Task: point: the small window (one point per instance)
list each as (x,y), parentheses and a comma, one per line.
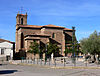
(53,35)
(2,51)
(11,48)
(22,21)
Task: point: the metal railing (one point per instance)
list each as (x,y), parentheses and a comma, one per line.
(60,62)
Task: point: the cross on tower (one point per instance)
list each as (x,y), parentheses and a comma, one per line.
(21,10)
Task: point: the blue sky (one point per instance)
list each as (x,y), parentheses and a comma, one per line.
(83,14)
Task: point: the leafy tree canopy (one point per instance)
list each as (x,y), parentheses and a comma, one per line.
(34,48)
(52,48)
(91,44)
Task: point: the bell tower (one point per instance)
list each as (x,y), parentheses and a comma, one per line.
(21,19)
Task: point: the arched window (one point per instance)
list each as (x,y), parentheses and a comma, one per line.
(22,40)
(22,21)
(53,35)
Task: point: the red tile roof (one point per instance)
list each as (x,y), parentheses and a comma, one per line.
(67,29)
(31,26)
(49,25)
(2,40)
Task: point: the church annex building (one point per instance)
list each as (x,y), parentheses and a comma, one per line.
(25,34)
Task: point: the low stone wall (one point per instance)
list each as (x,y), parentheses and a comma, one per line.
(3,59)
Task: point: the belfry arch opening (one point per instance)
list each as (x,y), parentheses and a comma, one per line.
(21,21)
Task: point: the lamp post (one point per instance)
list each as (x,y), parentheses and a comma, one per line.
(73,45)
(77,49)
(39,51)
(45,53)
(61,49)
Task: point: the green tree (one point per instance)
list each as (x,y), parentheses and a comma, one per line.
(52,48)
(69,47)
(68,50)
(34,48)
(91,44)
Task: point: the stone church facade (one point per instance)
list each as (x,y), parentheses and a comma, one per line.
(25,34)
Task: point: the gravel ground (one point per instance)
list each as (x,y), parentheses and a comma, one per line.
(7,69)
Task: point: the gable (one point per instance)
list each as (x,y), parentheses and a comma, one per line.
(6,44)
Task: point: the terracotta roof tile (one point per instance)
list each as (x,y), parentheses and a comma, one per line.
(50,25)
(2,40)
(67,29)
(32,26)
(36,26)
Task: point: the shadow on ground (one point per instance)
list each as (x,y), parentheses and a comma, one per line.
(2,64)
(7,71)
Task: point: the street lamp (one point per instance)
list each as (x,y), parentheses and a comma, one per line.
(39,51)
(73,34)
(45,53)
(73,45)
(77,48)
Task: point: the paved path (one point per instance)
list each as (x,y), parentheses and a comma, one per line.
(7,69)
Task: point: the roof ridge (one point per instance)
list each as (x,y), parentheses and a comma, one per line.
(3,40)
(49,25)
(67,29)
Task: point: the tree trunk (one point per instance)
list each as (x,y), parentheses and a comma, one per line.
(34,57)
(93,58)
(98,58)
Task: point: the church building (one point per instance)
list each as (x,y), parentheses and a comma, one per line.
(25,34)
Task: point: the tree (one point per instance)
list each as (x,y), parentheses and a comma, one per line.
(91,44)
(71,46)
(34,48)
(84,45)
(52,48)
(69,49)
